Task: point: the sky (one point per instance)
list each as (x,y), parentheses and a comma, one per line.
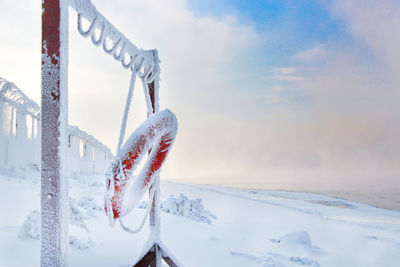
(272,94)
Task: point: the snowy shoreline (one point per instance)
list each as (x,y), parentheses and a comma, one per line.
(379,198)
(247,227)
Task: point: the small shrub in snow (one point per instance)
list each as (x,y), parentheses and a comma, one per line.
(77,215)
(191,209)
(183,206)
(79,211)
(31,227)
(299,237)
(79,238)
(80,242)
(89,205)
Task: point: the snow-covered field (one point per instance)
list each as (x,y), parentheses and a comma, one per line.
(228,227)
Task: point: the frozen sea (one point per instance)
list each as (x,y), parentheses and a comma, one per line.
(380,195)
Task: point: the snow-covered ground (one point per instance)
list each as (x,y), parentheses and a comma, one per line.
(227,227)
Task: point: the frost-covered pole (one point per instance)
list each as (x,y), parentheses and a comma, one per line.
(155,209)
(1,122)
(54,185)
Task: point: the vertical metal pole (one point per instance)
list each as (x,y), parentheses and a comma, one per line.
(54,183)
(154,212)
(2,135)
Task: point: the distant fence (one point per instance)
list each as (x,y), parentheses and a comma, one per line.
(20,137)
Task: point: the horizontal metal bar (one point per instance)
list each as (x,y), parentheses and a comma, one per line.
(144,62)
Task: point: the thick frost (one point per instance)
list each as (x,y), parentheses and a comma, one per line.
(54,161)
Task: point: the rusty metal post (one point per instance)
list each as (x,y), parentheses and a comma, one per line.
(54,128)
(156,254)
(154,211)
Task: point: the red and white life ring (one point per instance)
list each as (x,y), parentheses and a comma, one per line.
(157,134)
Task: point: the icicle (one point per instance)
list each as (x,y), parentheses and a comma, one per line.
(121,52)
(131,62)
(115,45)
(91,27)
(102,36)
(138,66)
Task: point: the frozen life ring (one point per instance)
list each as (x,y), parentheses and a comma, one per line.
(124,191)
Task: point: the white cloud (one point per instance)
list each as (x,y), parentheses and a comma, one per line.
(226,129)
(197,54)
(285,78)
(285,71)
(312,55)
(377,23)
(285,74)
(275,99)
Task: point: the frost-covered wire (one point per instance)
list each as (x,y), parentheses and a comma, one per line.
(126,111)
(108,195)
(140,227)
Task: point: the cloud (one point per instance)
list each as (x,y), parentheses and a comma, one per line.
(377,24)
(275,99)
(228,127)
(20,45)
(282,76)
(198,55)
(347,133)
(285,71)
(285,78)
(312,55)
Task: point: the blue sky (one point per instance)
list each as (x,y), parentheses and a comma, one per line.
(277,93)
(285,28)
(296,24)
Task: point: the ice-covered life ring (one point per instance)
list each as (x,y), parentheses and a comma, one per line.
(156,133)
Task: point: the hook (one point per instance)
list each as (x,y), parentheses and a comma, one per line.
(91,27)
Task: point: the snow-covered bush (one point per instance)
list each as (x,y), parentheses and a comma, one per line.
(79,211)
(89,205)
(79,237)
(31,227)
(183,206)
(77,215)
(298,237)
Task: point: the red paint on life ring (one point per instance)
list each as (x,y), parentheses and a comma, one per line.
(156,133)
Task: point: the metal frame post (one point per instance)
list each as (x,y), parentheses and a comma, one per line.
(154,219)
(156,253)
(54,132)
